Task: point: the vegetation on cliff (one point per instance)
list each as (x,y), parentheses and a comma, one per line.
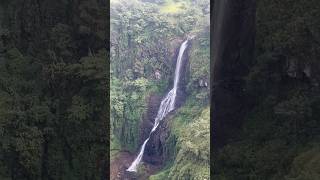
(53,86)
(145,36)
(192,150)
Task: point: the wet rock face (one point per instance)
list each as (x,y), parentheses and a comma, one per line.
(155,151)
(155,147)
(146,126)
(149,116)
(233,47)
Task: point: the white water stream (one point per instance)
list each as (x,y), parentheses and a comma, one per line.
(167,105)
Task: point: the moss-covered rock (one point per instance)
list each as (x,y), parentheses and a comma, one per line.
(193,149)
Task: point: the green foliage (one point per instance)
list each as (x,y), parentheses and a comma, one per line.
(279,136)
(161,175)
(21,139)
(193,158)
(142,35)
(127,106)
(290,26)
(200,67)
(52,92)
(139,39)
(273,134)
(114,146)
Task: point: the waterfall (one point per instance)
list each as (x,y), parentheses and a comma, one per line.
(167,105)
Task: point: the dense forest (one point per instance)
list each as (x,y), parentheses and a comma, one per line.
(274,129)
(145,38)
(53,90)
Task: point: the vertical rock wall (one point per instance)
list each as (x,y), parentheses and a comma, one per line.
(155,152)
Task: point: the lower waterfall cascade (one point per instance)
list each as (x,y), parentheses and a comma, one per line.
(166,106)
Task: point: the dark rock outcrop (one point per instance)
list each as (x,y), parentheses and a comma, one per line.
(155,149)
(149,116)
(145,128)
(233,50)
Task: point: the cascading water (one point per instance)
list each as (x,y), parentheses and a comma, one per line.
(167,105)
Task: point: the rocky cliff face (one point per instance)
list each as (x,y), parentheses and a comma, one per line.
(146,126)
(156,149)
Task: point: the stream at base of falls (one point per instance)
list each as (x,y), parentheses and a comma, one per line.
(122,161)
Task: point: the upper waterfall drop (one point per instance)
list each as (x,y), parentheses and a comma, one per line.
(166,106)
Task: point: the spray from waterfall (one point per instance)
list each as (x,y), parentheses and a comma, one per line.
(166,106)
